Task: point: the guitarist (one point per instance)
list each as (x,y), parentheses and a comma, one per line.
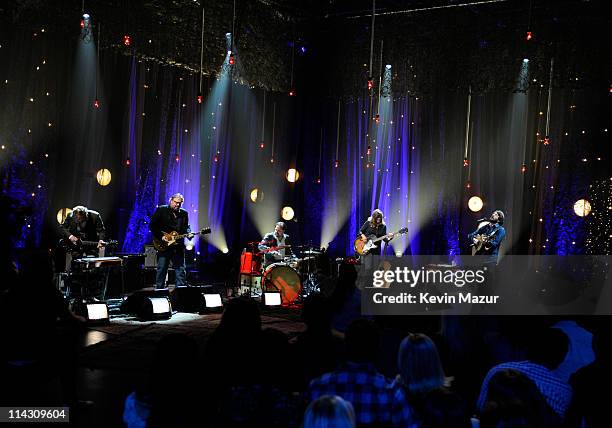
(375,227)
(494,234)
(169,218)
(83,224)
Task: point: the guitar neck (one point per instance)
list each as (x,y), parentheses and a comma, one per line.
(383,237)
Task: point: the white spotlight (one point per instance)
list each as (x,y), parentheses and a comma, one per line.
(525,60)
(213,300)
(156,308)
(96,312)
(225,250)
(388,66)
(271,298)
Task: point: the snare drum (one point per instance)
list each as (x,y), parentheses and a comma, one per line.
(283,278)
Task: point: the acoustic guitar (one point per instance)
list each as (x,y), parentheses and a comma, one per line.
(483,241)
(363,248)
(172,238)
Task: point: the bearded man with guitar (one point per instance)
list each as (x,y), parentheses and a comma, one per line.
(488,236)
(165,220)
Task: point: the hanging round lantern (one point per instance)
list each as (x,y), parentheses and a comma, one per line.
(287,213)
(582,208)
(104,177)
(62,214)
(292,175)
(256,195)
(475,204)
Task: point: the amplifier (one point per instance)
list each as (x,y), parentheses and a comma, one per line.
(150,256)
(249,284)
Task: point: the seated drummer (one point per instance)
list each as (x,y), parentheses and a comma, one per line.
(278,238)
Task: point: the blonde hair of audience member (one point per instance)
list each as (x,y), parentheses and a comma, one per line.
(420,369)
(329,411)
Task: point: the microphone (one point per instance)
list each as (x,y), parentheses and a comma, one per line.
(483,219)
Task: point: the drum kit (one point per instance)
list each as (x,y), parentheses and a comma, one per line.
(294,277)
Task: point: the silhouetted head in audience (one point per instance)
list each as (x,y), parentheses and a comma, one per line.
(180,352)
(275,355)
(602,345)
(362,339)
(444,409)
(329,411)
(316,313)
(174,371)
(241,316)
(548,347)
(419,365)
(513,400)
(345,286)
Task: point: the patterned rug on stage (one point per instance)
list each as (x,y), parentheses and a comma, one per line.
(131,343)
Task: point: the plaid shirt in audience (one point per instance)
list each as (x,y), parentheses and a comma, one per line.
(556,392)
(373,397)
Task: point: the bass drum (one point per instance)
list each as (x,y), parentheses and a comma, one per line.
(282,278)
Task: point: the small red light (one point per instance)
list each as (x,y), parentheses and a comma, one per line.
(377,119)
(127,40)
(369,151)
(523,168)
(128,162)
(96,103)
(546,141)
(468,185)
(82,23)
(200,99)
(318,180)
(271,160)
(261,145)
(232,59)
(529,35)
(370,84)
(336,163)
(466,162)
(292,92)
(177,158)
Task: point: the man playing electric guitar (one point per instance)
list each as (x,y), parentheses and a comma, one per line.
(166,219)
(83,224)
(487,238)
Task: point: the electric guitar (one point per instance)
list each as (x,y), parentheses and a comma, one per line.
(68,245)
(363,248)
(171,238)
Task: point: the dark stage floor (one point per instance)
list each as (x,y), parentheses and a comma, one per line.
(114,359)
